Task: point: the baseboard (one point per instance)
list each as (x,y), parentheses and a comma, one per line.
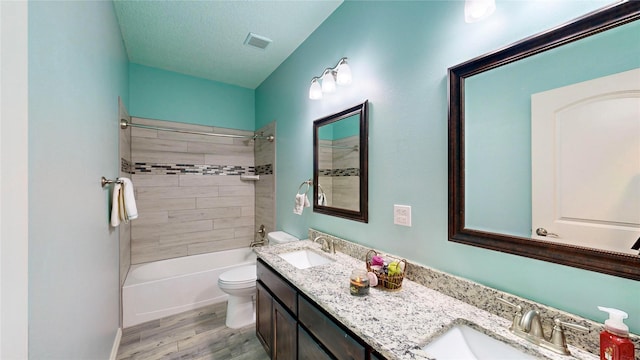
(116,345)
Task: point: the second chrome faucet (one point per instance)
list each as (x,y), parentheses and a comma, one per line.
(529,327)
(327,244)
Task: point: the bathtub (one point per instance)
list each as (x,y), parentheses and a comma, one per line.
(166,287)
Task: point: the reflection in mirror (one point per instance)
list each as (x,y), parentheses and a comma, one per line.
(490,142)
(340,164)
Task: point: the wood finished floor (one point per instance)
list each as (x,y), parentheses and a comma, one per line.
(196,334)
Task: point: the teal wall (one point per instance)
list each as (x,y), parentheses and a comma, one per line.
(340,129)
(399,53)
(77,70)
(165,95)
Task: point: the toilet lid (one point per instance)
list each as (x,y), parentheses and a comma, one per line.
(245,273)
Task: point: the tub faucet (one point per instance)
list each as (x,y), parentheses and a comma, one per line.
(262,232)
(327,244)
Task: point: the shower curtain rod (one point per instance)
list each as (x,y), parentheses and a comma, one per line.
(124,124)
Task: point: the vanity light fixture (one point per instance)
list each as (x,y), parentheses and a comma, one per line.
(340,74)
(476,10)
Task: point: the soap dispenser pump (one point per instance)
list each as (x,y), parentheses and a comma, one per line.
(614,339)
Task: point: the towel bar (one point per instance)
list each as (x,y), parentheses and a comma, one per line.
(104,181)
(308,183)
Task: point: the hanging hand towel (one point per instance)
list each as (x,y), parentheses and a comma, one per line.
(298,206)
(130,208)
(115,205)
(322,199)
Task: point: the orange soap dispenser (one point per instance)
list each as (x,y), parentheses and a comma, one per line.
(614,339)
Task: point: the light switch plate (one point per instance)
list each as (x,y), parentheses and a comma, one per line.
(402,215)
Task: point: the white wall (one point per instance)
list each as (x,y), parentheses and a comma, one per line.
(77,70)
(13,181)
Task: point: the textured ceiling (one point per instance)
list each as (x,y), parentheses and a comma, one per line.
(206,38)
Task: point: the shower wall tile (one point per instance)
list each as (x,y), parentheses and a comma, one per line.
(148,217)
(242,160)
(155,180)
(164,204)
(164,157)
(167,192)
(185,214)
(265,188)
(152,231)
(213,202)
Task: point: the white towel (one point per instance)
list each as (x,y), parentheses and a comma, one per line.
(298,205)
(131,211)
(115,205)
(322,199)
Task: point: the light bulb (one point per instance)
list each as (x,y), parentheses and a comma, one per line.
(476,10)
(328,82)
(344,73)
(315,91)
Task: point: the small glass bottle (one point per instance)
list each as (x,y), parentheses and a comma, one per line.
(359,282)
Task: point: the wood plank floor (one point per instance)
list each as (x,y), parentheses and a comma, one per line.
(196,334)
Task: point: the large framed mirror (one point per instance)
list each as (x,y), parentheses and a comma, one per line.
(493,115)
(340,164)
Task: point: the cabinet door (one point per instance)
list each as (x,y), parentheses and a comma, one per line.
(264,313)
(308,348)
(285,334)
(341,345)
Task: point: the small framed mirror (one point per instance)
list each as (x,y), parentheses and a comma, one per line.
(340,171)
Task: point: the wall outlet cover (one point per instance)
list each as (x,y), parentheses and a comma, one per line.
(402,215)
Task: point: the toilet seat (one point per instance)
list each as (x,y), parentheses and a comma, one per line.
(241,277)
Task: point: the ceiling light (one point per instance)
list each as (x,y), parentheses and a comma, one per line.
(339,74)
(476,10)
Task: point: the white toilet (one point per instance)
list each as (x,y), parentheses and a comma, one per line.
(240,284)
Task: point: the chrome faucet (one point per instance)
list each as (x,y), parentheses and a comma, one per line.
(529,327)
(327,244)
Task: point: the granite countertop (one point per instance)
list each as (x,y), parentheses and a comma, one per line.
(399,323)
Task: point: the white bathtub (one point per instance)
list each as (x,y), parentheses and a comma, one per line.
(158,289)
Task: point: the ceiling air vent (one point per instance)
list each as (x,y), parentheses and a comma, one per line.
(257,41)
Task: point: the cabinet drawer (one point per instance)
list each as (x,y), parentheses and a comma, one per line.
(338,341)
(282,291)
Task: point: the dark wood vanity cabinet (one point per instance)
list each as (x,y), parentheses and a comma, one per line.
(276,325)
(264,317)
(285,334)
(290,326)
(342,345)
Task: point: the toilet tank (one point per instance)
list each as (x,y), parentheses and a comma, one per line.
(280,237)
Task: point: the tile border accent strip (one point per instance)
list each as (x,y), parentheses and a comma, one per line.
(194,169)
(177,169)
(264,169)
(483,297)
(340,172)
(125,166)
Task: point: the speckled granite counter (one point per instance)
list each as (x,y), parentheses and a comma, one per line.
(395,323)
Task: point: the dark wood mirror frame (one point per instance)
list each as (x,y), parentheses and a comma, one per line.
(362,214)
(617,264)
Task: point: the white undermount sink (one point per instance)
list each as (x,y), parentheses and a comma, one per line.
(303,259)
(462,342)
